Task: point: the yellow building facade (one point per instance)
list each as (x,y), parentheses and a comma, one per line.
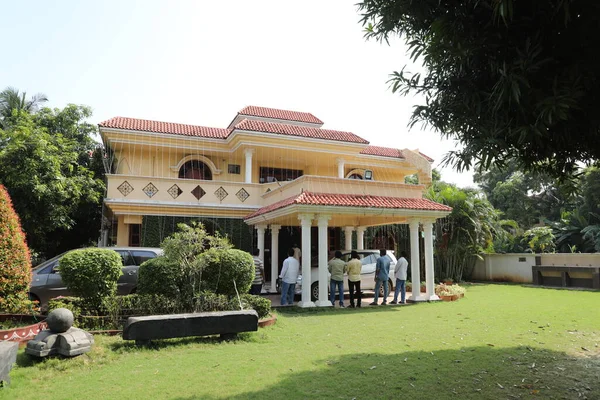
(270,171)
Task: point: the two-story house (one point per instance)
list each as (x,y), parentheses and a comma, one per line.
(276,172)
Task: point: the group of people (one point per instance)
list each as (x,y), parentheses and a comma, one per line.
(338,268)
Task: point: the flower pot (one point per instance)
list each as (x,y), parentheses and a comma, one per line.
(452,297)
(22,333)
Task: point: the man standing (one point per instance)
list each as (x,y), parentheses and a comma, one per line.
(289,276)
(337,269)
(382,273)
(401,269)
(259,273)
(354,270)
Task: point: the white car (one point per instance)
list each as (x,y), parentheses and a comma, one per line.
(368,259)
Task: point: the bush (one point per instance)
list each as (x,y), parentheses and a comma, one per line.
(91,274)
(15,264)
(259,304)
(222,267)
(158,276)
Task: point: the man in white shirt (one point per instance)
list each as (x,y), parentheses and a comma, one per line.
(401,270)
(289,276)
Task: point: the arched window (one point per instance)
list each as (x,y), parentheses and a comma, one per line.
(195,169)
(355,176)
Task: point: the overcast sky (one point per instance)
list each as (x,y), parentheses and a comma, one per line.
(199,62)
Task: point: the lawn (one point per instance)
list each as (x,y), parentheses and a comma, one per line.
(499,342)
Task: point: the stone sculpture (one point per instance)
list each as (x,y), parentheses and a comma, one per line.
(60,337)
(8,356)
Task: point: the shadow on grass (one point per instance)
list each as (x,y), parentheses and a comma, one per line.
(475,372)
(129,345)
(309,312)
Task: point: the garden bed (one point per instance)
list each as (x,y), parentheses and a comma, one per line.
(20,327)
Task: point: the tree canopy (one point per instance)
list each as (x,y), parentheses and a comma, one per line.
(47,166)
(509,80)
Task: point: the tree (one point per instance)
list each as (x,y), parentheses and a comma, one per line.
(15,265)
(41,170)
(11,99)
(507,79)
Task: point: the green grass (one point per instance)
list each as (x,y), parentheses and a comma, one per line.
(499,342)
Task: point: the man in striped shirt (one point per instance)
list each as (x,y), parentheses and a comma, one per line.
(259,273)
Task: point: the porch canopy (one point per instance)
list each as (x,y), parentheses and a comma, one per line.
(353,205)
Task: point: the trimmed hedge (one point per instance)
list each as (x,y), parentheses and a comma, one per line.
(15,262)
(158,276)
(261,305)
(221,268)
(91,274)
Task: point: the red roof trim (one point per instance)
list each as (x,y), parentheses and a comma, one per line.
(353,200)
(382,152)
(302,131)
(276,113)
(145,125)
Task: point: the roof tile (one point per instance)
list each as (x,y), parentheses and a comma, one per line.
(303,131)
(353,200)
(266,112)
(145,125)
(382,151)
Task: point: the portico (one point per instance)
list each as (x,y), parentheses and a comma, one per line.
(352,212)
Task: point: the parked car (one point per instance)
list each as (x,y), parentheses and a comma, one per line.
(46,282)
(368,259)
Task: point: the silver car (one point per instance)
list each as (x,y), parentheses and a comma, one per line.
(368,258)
(46,282)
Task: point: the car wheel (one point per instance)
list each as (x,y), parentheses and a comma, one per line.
(314,291)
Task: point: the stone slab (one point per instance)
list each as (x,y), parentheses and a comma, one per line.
(8,356)
(226,323)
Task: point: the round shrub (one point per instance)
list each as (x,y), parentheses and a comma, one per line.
(259,304)
(159,276)
(15,264)
(221,267)
(91,274)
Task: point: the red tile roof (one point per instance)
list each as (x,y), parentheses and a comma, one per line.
(145,125)
(295,130)
(427,157)
(353,200)
(266,112)
(382,151)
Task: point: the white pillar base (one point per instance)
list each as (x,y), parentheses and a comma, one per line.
(306,304)
(434,297)
(323,303)
(421,297)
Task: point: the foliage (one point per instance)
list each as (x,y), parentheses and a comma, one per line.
(12,102)
(259,304)
(15,264)
(539,239)
(91,274)
(227,271)
(449,290)
(507,237)
(45,167)
(526,197)
(465,233)
(158,276)
(504,78)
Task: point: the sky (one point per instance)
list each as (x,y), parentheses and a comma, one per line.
(200,62)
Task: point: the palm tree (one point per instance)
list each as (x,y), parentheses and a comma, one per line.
(11,99)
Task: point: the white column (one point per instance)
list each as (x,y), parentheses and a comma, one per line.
(248,153)
(360,238)
(429,270)
(274,256)
(340,164)
(415,269)
(306,223)
(348,233)
(260,243)
(323,221)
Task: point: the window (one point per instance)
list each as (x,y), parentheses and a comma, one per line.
(268,174)
(134,235)
(125,257)
(140,256)
(233,169)
(355,176)
(195,169)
